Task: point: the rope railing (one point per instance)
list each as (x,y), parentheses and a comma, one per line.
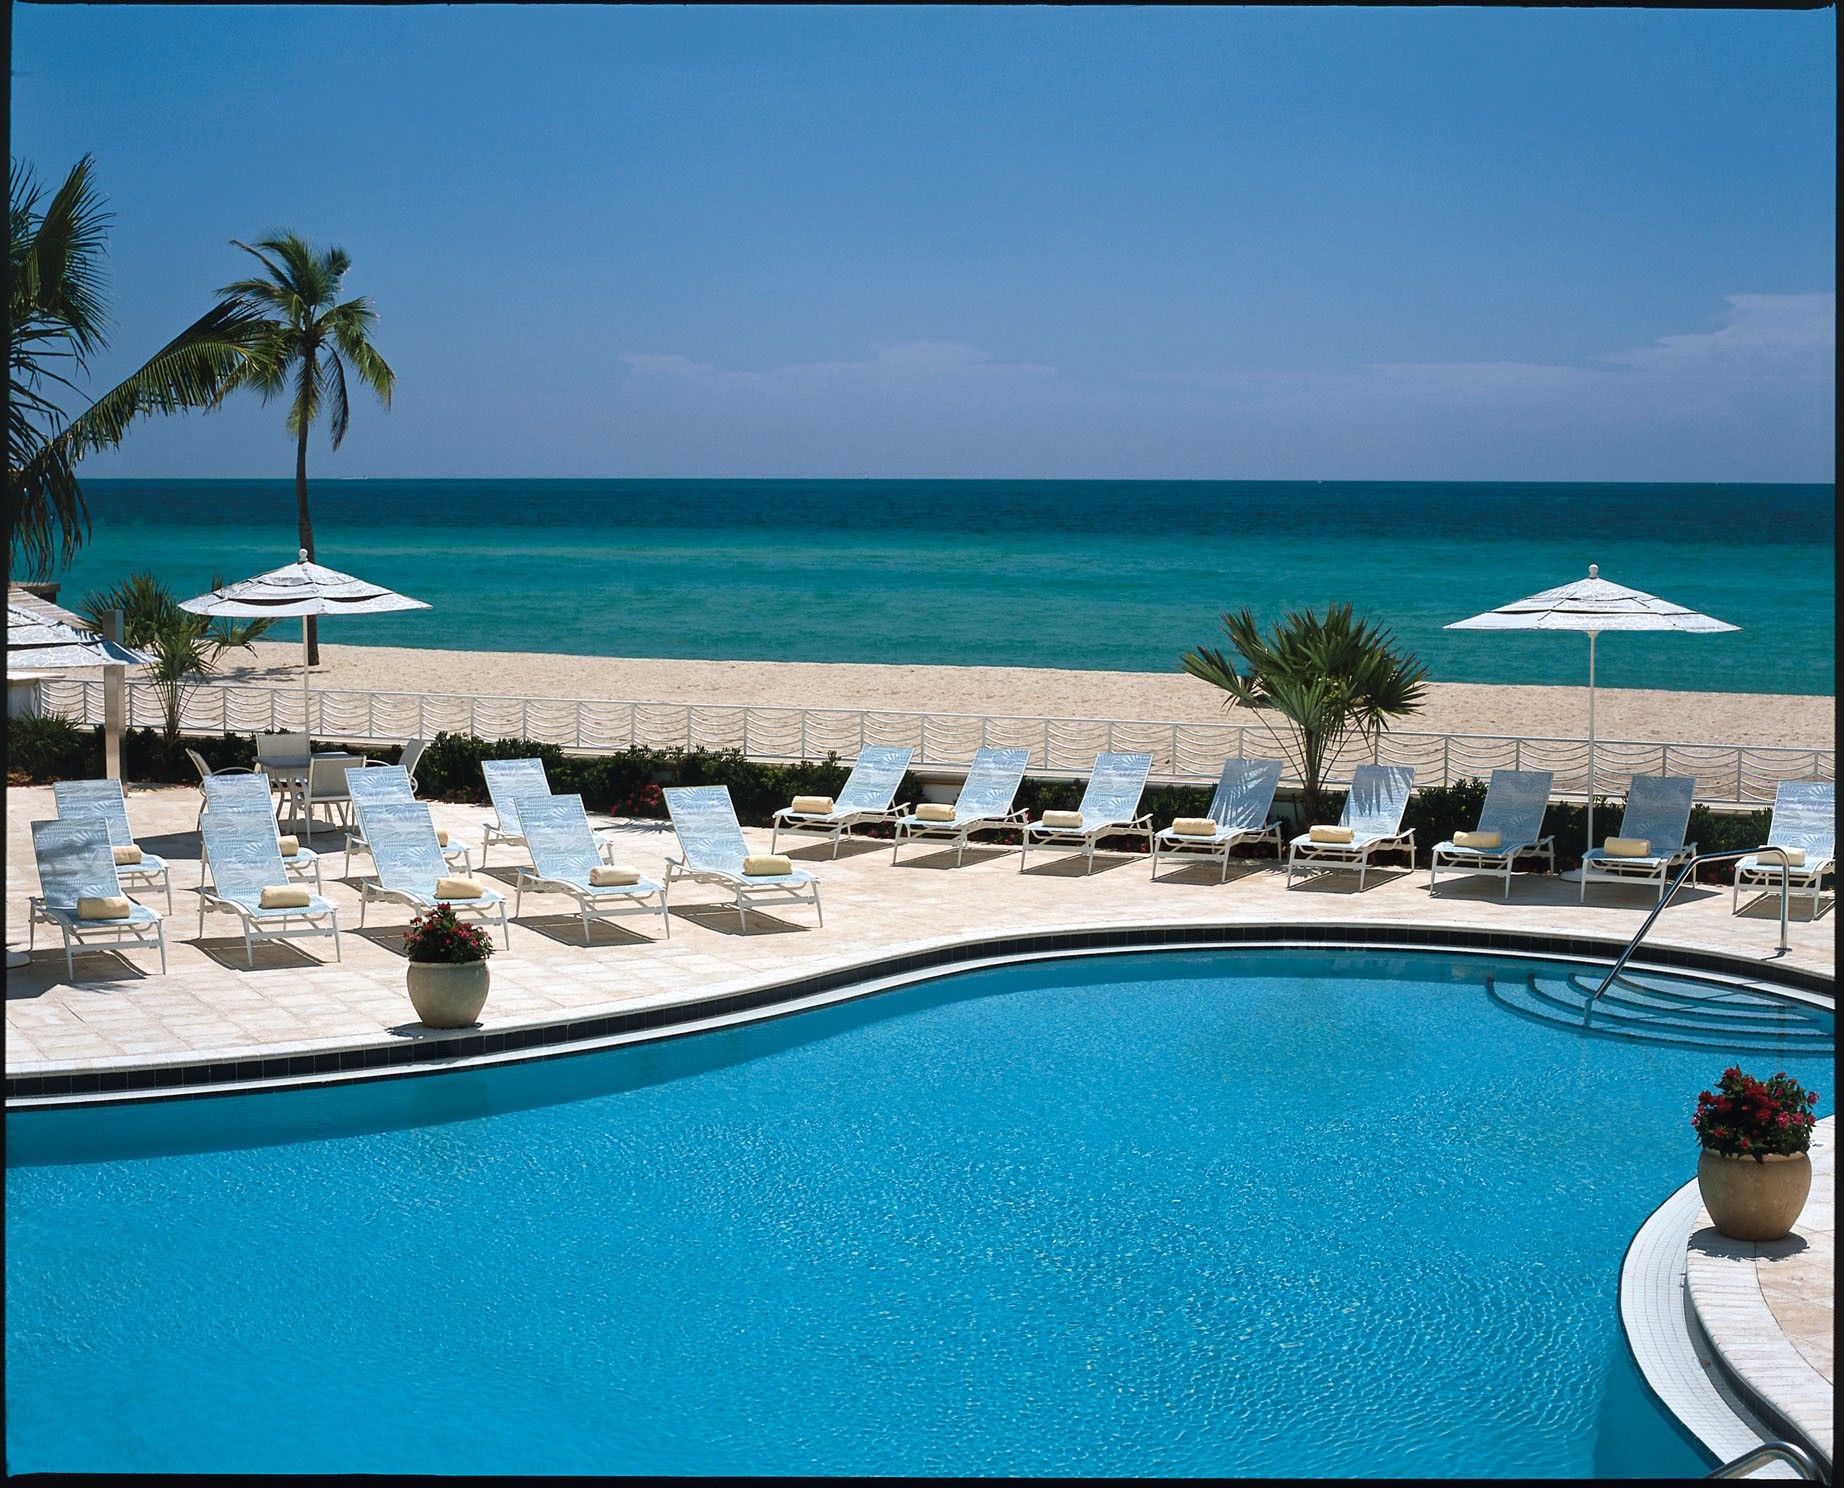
(1736,774)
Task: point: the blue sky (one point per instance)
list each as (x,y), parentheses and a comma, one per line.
(1032,242)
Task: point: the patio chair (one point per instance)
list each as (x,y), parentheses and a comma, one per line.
(566,860)
(76,869)
(713,852)
(283,759)
(412,756)
(325,784)
(205,772)
(389,783)
(985,802)
(1109,802)
(1239,812)
(102,800)
(1658,815)
(246,869)
(246,792)
(1374,805)
(1805,819)
(865,797)
(1515,801)
(409,866)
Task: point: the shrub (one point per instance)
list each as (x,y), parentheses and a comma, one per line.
(44,748)
(450,767)
(437,935)
(1746,1117)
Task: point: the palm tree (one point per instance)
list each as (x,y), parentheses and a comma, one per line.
(1327,678)
(310,336)
(56,320)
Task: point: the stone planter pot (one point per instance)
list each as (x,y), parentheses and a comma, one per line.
(448,994)
(1750,1200)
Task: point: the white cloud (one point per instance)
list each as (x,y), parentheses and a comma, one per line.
(908,367)
(1762,332)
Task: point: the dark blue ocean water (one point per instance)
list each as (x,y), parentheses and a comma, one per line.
(1077,574)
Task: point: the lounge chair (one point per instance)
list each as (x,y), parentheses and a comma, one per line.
(412,756)
(565,859)
(1109,802)
(1239,809)
(713,852)
(509,782)
(246,860)
(389,783)
(1515,801)
(1657,812)
(1374,805)
(246,792)
(865,797)
(1805,817)
(985,802)
(409,865)
(75,863)
(102,800)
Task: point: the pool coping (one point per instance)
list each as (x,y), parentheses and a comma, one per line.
(132,1080)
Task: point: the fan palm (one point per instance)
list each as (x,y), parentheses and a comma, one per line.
(56,324)
(1327,677)
(310,335)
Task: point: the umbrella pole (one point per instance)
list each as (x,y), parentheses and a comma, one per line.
(307,726)
(1591,635)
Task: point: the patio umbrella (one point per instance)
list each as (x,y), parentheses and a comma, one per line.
(301,588)
(37,643)
(1593,605)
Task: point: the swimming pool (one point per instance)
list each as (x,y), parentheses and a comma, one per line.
(1230,1212)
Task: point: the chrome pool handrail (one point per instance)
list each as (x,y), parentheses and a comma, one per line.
(1684,873)
(1791,1453)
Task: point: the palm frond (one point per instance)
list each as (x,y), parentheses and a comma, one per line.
(333,392)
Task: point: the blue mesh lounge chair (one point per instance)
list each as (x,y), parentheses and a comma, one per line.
(1239,806)
(1805,817)
(1378,796)
(865,797)
(1515,801)
(565,858)
(1657,811)
(245,791)
(102,800)
(985,802)
(508,782)
(388,783)
(1109,802)
(75,863)
(409,865)
(713,852)
(245,860)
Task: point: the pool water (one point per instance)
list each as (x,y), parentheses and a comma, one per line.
(1236,1213)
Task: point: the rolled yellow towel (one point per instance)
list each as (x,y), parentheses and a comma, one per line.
(812,805)
(1795,857)
(1062,819)
(1330,834)
(104,907)
(613,877)
(937,811)
(766,865)
(1478,839)
(276,896)
(126,857)
(441,836)
(290,845)
(1194,826)
(458,888)
(1627,847)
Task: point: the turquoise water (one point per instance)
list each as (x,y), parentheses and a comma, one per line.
(1239,1213)
(1077,574)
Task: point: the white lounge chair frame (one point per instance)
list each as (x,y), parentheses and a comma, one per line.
(408,861)
(564,852)
(865,797)
(1109,802)
(1805,816)
(712,851)
(1374,805)
(75,862)
(247,791)
(1241,807)
(984,803)
(508,781)
(1657,809)
(1515,801)
(388,783)
(102,800)
(246,858)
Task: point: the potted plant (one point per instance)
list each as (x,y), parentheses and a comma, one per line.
(1754,1174)
(448,968)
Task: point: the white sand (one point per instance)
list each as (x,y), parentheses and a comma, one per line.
(1452,707)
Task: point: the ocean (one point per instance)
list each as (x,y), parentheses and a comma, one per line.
(1072,574)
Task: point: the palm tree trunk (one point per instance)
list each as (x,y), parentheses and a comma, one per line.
(306,523)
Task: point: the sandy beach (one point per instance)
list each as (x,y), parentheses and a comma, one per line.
(1452,707)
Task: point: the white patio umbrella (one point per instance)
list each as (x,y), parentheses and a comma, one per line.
(301,588)
(1593,605)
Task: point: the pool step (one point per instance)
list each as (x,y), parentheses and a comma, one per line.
(1642,1009)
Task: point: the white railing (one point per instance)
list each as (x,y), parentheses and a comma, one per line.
(1725,773)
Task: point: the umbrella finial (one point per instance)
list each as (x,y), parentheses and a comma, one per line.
(1594,569)
(303,558)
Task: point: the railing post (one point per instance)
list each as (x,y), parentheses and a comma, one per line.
(577,712)
(1046,743)
(274,693)
(745,733)
(803,733)
(1517,753)
(1738,774)
(1446,759)
(473,731)
(1174,750)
